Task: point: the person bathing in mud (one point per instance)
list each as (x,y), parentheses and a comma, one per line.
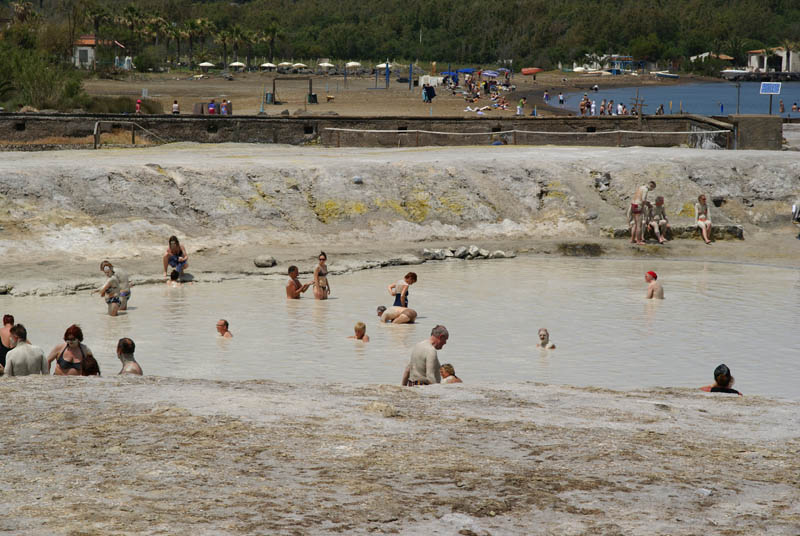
(703,218)
(175,256)
(294,288)
(322,288)
(360,332)
(397,315)
(723,382)
(544,340)
(222,329)
(71,356)
(654,288)
(174,279)
(111,289)
(448,373)
(636,210)
(399,289)
(125,349)
(423,368)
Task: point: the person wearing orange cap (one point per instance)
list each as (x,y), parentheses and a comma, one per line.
(654,288)
(138,106)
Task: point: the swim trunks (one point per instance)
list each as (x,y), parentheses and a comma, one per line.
(397,298)
(636,209)
(115,299)
(125,294)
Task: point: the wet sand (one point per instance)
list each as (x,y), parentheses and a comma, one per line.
(167,456)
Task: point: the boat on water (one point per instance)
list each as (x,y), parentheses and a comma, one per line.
(665,74)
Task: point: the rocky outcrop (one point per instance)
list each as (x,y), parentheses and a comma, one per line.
(464,252)
(718,232)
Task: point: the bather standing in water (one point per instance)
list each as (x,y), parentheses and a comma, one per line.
(125,349)
(654,288)
(397,315)
(110,290)
(294,288)
(322,288)
(399,289)
(636,210)
(544,340)
(72,355)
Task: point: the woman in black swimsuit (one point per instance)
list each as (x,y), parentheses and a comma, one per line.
(71,354)
(5,335)
(322,288)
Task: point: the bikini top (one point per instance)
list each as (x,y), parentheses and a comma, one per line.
(65,365)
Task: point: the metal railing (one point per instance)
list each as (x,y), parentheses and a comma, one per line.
(134,125)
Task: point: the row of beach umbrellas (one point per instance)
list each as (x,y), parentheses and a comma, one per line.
(324,65)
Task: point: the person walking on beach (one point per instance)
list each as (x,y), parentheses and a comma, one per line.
(294,288)
(360,332)
(176,109)
(25,358)
(5,339)
(222,329)
(397,315)
(399,289)
(423,368)
(561,99)
(521,106)
(125,349)
(723,382)
(72,355)
(703,218)
(111,289)
(175,256)
(654,288)
(322,288)
(636,210)
(546,97)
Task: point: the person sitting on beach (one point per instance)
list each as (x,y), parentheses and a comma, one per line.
(544,340)
(360,334)
(111,289)
(25,358)
(322,288)
(397,315)
(294,288)
(222,329)
(5,339)
(125,349)
(399,289)
(703,218)
(654,288)
(723,382)
(71,355)
(657,220)
(423,368)
(175,256)
(448,373)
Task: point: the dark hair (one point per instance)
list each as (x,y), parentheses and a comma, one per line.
(722,375)
(126,346)
(292,268)
(74,332)
(412,276)
(224,322)
(700,196)
(381,309)
(20,332)
(174,238)
(322,254)
(440,331)
(90,366)
(652,183)
(174,275)
(104,264)
(8,319)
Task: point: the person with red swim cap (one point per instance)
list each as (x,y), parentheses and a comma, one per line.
(654,288)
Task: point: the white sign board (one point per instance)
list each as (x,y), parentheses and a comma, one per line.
(770,88)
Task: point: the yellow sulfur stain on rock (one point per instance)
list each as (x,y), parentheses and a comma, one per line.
(452,204)
(687,210)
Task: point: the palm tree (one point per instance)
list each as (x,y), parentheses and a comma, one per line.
(789,46)
(132,19)
(177,33)
(205,29)
(224,38)
(250,38)
(237,38)
(192,30)
(272,31)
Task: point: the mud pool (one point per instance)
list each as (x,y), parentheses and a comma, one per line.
(606,333)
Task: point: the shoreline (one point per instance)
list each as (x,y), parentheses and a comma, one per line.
(327,458)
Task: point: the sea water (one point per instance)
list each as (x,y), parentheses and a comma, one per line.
(607,334)
(704,98)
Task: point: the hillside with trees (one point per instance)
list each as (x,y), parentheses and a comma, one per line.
(543,33)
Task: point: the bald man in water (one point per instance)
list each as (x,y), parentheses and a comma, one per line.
(397,315)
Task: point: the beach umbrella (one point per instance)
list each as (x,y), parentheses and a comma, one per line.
(236,64)
(299,65)
(284,64)
(467,70)
(268,65)
(326,65)
(352,64)
(206,64)
(490,74)
(503,70)
(383,66)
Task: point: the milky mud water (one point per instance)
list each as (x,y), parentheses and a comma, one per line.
(606,333)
